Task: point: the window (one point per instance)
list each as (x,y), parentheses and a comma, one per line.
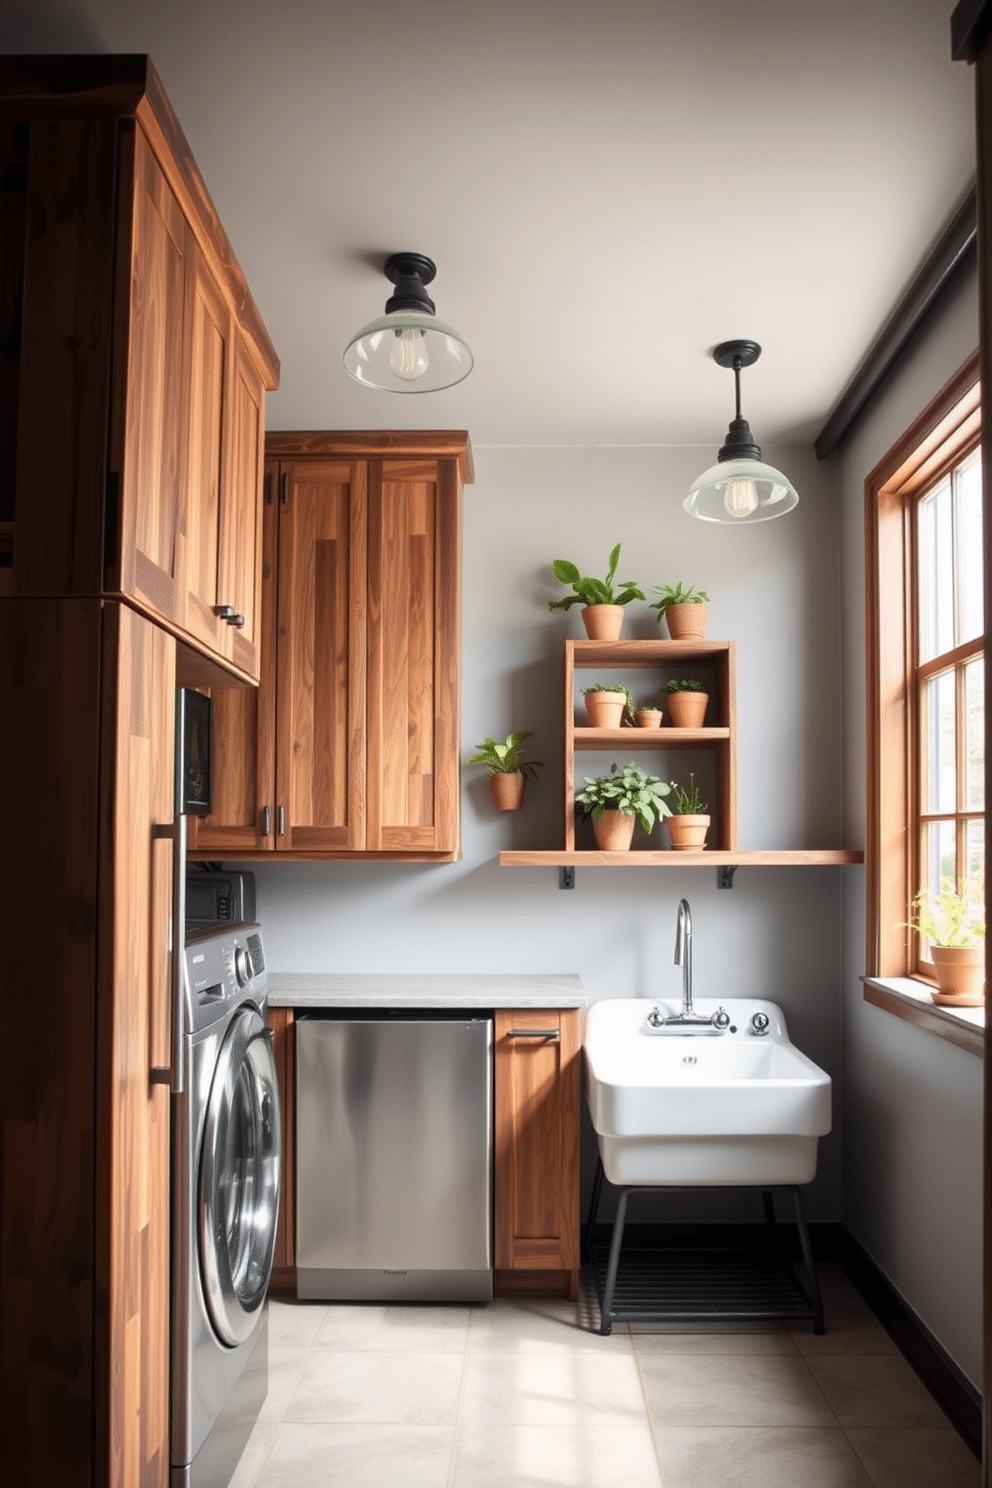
(924,531)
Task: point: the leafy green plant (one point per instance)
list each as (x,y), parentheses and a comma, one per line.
(944,918)
(505,756)
(629,789)
(589,591)
(686,799)
(614,687)
(691,684)
(676,594)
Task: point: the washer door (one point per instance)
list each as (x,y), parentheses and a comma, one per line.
(238,1200)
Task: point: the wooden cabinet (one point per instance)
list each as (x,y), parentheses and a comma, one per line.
(87,709)
(537,1149)
(138,390)
(283,1027)
(351,747)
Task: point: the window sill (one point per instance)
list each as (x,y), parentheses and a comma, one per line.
(910,1000)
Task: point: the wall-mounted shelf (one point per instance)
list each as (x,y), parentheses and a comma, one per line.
(799,857)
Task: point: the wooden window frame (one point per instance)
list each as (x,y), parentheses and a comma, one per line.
(944,434)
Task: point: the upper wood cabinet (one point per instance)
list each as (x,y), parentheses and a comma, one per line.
(139,388)
(352,745)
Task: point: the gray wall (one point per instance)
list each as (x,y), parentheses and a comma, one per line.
(775,590)
(912,1150)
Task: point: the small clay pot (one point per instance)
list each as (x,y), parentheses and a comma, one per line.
(603,622)
(507,789)
(687,622)
(960,973)
(648,717)
(687,833)
(687,709)
(613,831)
(605,709)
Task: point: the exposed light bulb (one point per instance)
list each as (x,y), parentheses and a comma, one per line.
(408,358)
(740,497)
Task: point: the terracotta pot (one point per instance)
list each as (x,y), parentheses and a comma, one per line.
(960,973)
(613,831)
(507,789)
(687,709)
(605,709)
(603,622)
(687,621)
(688,833)
(648,717)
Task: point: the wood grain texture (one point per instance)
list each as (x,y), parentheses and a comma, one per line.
(207,360)
(537,1141)
(363,444)
(134,1030)
(49,772)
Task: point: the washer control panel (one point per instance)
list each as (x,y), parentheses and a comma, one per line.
(223,965)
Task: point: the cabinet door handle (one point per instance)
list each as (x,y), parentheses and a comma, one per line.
(176,1077)
(285,488)
(541,1033)
(235,619)
(266,821)
(282,821)
(224,612)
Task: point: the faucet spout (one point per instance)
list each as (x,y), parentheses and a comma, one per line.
(683,954)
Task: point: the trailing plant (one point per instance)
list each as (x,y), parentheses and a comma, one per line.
(589,591)
(944,918)
(614,687)
(629,789)
(676,594)
(505,756)
(687,800)
(691,684)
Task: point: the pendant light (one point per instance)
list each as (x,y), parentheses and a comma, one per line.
(408,350)
(740,487)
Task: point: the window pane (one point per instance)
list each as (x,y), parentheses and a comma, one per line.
(971,569)
(936,572)
(974,723)
(974,837)
(938,855)
(939,793)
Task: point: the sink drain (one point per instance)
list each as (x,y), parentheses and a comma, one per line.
(688,1059)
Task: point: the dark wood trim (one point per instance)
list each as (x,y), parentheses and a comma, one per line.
(360,444)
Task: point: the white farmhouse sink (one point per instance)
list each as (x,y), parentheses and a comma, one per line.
(730,1109)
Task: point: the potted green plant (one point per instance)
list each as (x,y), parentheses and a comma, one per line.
(615,802)
(689,820)
(607,704)
(602,601)
(508,768)
(684,608)
(687,702)
(956,937)
(648,715)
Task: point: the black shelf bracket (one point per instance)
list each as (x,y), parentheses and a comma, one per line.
(566,876)
(725,875)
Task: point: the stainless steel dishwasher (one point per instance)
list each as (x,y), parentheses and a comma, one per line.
(394,1155)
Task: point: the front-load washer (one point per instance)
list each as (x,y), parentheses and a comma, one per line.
(226,1158)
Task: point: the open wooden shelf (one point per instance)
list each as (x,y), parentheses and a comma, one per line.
(811,857)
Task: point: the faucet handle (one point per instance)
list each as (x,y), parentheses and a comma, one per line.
(759,1024)
(656,1018)
(721,1018)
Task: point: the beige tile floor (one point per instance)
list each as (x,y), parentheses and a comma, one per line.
(526,1395)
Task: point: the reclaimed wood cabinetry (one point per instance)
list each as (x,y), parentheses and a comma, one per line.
(87,695)
(351,747)
(537,1149)
(138,390)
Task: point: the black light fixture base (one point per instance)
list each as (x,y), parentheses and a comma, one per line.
(739,353)
(410,272)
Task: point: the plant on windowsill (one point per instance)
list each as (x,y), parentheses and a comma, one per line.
(508,768)
(957,942)
(602,613)
(689,821)
(615,802)
(608,704)
(684,608)
(687,702)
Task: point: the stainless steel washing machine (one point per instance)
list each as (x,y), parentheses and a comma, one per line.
(226,1158)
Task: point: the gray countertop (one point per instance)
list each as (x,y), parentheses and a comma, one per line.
(316,989)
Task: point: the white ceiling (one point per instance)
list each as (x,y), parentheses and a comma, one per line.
(608,189)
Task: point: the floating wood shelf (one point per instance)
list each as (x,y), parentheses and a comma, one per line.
(801,857)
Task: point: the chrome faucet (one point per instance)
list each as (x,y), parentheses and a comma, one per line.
(716,1022)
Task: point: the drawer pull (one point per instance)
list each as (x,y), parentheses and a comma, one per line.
(541,1033)
(266,820)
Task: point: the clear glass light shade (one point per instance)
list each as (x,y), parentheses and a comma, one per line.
(737,491)
(408,352)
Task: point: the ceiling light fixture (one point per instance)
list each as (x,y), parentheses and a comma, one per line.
(408,350)
(740,487)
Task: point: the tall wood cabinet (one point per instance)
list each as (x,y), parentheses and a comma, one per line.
(351,746)
(133,367)
(137,391)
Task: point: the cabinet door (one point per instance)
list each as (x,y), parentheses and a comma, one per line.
(149,451)
(134,1047)
(537,1140)
(243,819)
(320,658)
(413,653)
(240,558)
